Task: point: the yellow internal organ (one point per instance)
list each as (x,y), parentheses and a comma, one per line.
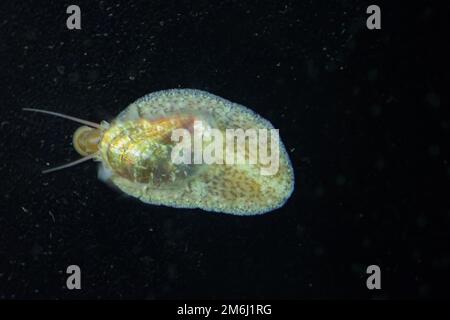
(140,150)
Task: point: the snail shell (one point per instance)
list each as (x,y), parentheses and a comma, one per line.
(135,153)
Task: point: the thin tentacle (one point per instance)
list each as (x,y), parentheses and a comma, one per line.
(85,122)
(71,164)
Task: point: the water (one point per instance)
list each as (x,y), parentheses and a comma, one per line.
(346,101)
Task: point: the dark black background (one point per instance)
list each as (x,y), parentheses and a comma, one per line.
(361,113)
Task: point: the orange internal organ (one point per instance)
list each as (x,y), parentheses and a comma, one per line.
(140,150)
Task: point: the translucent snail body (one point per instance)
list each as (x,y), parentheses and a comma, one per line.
(136,149)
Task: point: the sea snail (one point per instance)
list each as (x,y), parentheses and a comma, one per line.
(151,151)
